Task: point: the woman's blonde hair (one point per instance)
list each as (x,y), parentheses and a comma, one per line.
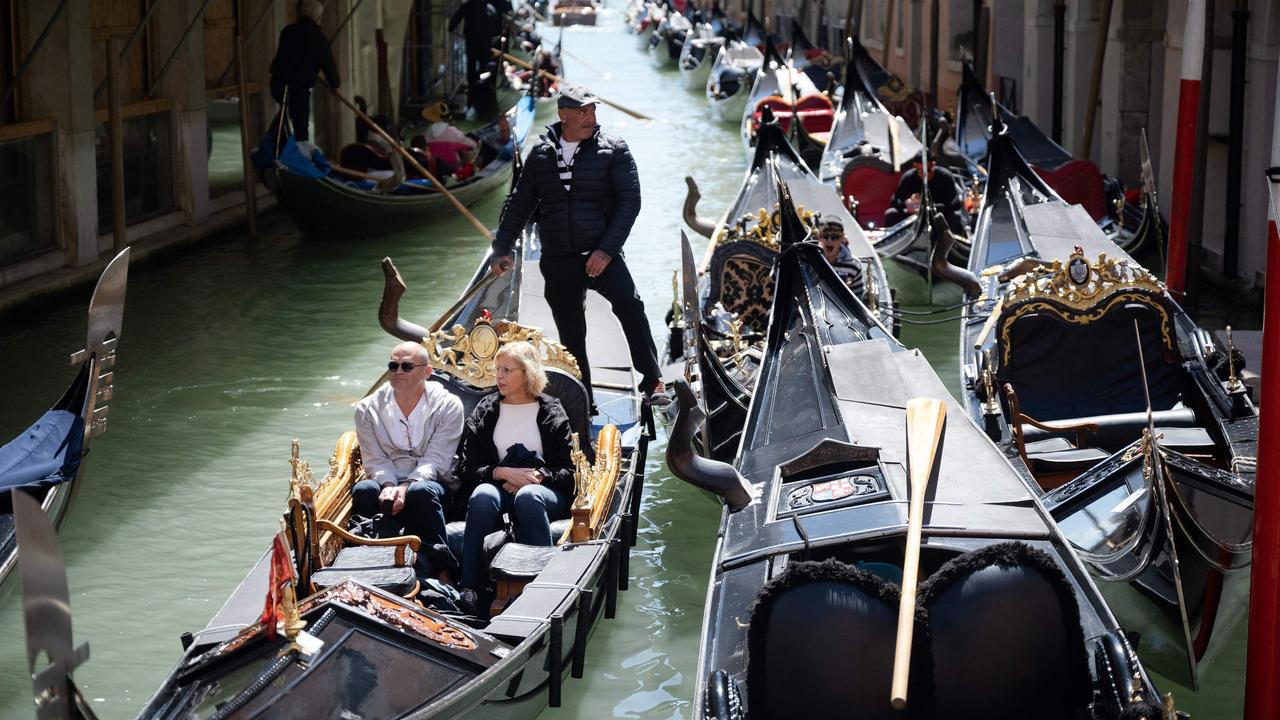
(535,377)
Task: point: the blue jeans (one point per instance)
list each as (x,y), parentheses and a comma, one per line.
(423,513)
(534,507)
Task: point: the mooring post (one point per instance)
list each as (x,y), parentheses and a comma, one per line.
(1059,51)
(1235,137)
(115,132)
(250,189)
(1262,672)
(1184,151)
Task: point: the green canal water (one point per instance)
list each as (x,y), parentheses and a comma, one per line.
(231,350)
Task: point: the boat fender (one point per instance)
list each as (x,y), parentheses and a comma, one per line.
(723,700)
(720,479)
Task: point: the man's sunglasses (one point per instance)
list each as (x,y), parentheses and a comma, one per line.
(404,366)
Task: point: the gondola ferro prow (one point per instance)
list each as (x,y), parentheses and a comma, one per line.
(106,320)
(718,478)
(594,485)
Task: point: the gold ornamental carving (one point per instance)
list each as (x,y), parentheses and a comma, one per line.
(1080,293)
(469,354)
(1079,284)
(762,227)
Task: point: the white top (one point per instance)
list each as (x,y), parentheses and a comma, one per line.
(517,424)
(443,131)
(568,150)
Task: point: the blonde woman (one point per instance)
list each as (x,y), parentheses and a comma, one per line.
(516,455)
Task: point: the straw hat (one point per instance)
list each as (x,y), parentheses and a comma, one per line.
(435,112)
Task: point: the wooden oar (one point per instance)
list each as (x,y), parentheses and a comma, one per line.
(552,76)
(925,419)
(414,162)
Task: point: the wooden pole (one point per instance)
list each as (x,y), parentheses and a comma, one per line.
(1185,145)
(250,187)
(1095,80)
(395,144)
(1059,50)
(888,32)
(1262,669)
(556,78)
(925,420)
(115,131)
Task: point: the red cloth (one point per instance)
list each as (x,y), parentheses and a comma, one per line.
(1079,182)
(873,187)
(281,574)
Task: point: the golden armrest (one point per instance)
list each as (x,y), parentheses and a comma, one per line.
(413,542)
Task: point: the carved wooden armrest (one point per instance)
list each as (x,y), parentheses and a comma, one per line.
(413,542)
(1080,429)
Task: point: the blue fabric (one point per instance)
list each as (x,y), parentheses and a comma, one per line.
(295,162)
(47,453)
(534,507)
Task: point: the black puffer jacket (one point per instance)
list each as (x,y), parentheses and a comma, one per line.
(480,457)
(302,51)
(596,213)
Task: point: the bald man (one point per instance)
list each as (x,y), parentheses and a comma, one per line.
(409,430)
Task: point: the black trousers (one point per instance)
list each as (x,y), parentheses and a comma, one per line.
(299,107)
(566,292)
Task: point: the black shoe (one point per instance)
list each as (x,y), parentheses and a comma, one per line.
(657,396)
(467,602)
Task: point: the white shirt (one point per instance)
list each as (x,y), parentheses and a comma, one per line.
(517,424)
(419,448)
(568,150)
(442,131)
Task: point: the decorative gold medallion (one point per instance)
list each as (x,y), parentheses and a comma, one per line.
(484,340)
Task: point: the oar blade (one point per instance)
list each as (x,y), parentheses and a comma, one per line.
(925,419)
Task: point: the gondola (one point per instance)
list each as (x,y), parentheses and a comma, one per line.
(1077,180)
(545,91)
(668,39)
(806,114)
(731,78)
(332,203)
(735,286)
(868,148)
(698,54)
(1084,369)
(573,12)
(46,461)
(359,598)
(803,606)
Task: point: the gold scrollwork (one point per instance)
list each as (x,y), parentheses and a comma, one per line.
(762,226)
(1105,276)
(468,355)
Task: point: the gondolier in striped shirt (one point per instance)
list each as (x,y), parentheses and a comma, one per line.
(585,190)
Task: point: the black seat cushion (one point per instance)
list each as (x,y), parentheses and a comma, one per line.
(1061,461)
(455,534)
(1069,364)
(576,402)
(1194,440)
(374,566)
(1006,636)
(821,645)
(521,563)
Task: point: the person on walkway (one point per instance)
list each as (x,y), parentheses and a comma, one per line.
(584,187)
(408,431)
(481,22)
(944,193)
(835,246)
(517,455)
(302,52)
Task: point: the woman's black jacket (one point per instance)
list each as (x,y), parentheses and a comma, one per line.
(480,457)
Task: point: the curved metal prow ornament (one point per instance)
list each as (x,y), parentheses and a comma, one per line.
(393,289)
(700,225)
(720,479)
(46,610)
(106,321)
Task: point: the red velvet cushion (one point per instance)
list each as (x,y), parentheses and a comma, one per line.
(1079,182)
(873,188)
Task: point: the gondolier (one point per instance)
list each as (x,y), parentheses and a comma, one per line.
(302,52)
(584,186)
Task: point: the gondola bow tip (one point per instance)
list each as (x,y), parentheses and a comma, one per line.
(720,479)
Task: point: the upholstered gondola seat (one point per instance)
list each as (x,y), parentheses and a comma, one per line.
(372,566)
(741,282)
